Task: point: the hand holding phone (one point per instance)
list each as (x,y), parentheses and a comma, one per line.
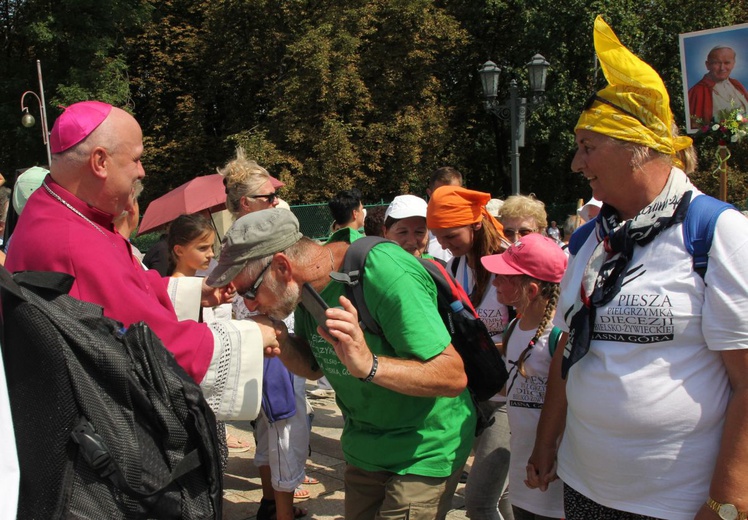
(313,302)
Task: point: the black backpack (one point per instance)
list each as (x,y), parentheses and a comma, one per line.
(484,366)
(107,424)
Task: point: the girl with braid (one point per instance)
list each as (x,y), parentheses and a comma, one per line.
(527,277)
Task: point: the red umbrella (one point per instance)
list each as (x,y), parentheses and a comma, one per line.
(199,194)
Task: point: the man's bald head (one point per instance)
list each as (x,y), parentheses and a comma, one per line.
(103,168)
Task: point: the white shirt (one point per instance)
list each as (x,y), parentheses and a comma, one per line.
(525,398)
(646,404)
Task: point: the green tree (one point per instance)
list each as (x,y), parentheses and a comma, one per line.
(81,46)
(329,95)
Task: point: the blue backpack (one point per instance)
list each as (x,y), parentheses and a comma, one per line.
(698,230)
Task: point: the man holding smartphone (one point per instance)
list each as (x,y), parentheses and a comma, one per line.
(409,417)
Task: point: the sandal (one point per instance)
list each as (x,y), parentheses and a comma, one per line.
(237,445)
(267,510)
(301,494)
(310,481)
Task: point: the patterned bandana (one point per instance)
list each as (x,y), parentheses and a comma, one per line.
(635,106)
(607,267)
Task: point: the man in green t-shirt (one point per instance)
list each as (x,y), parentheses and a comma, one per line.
(409,419)
(347,210)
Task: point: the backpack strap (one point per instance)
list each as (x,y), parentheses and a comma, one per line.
(448,287)
(9,284)
(96,453)
(351,274)
(698,229)
(507,333)
(553,340)
(580,235)
(453,267)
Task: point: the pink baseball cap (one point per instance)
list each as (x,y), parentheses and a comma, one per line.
(533,255)
(76,123)
(276,183)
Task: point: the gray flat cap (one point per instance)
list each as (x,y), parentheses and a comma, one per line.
(253,236)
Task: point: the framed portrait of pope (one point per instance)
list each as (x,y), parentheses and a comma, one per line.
(714,64)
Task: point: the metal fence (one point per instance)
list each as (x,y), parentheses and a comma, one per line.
(315,221)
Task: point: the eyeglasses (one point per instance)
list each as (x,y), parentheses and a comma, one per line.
(595,97)
(251,293)
(270,197)
(523,232)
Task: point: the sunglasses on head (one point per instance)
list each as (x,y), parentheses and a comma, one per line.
(595,97)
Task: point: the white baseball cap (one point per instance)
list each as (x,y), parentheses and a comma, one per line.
(404,206)
(584,211)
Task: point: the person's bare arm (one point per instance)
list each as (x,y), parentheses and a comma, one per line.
(442,375)
(541,467)
(730,477)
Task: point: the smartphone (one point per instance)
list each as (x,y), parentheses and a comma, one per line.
(313,302)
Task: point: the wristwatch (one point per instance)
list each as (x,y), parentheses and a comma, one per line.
(726,511)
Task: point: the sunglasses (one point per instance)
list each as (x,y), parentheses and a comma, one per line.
(251,293)
(269,196)
(595,97)
(523,232)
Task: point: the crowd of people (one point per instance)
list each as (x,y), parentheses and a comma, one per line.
(626,396)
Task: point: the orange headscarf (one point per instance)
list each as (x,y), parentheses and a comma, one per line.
(454,206)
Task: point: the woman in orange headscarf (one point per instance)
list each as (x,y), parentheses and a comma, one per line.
(458,219)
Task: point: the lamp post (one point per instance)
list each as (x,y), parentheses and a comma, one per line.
(28,120)
(516,108)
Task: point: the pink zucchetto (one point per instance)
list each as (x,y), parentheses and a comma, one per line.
(76,123)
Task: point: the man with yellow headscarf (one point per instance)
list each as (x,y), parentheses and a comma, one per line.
(648,397)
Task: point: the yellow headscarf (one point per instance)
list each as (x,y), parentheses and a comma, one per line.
(635,105)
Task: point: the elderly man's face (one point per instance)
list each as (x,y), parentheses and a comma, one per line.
(272,297)
(720,64)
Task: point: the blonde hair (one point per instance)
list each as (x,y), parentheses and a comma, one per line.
(524,206)
(242,177)
(687,156)
(548,290)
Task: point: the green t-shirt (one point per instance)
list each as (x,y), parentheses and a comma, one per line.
(385,430)
(345,234)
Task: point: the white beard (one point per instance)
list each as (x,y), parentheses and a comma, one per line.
(287,298)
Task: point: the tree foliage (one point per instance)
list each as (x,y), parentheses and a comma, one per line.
(330,95)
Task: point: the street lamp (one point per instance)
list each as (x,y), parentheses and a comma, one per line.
(516,109)
(28,120)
